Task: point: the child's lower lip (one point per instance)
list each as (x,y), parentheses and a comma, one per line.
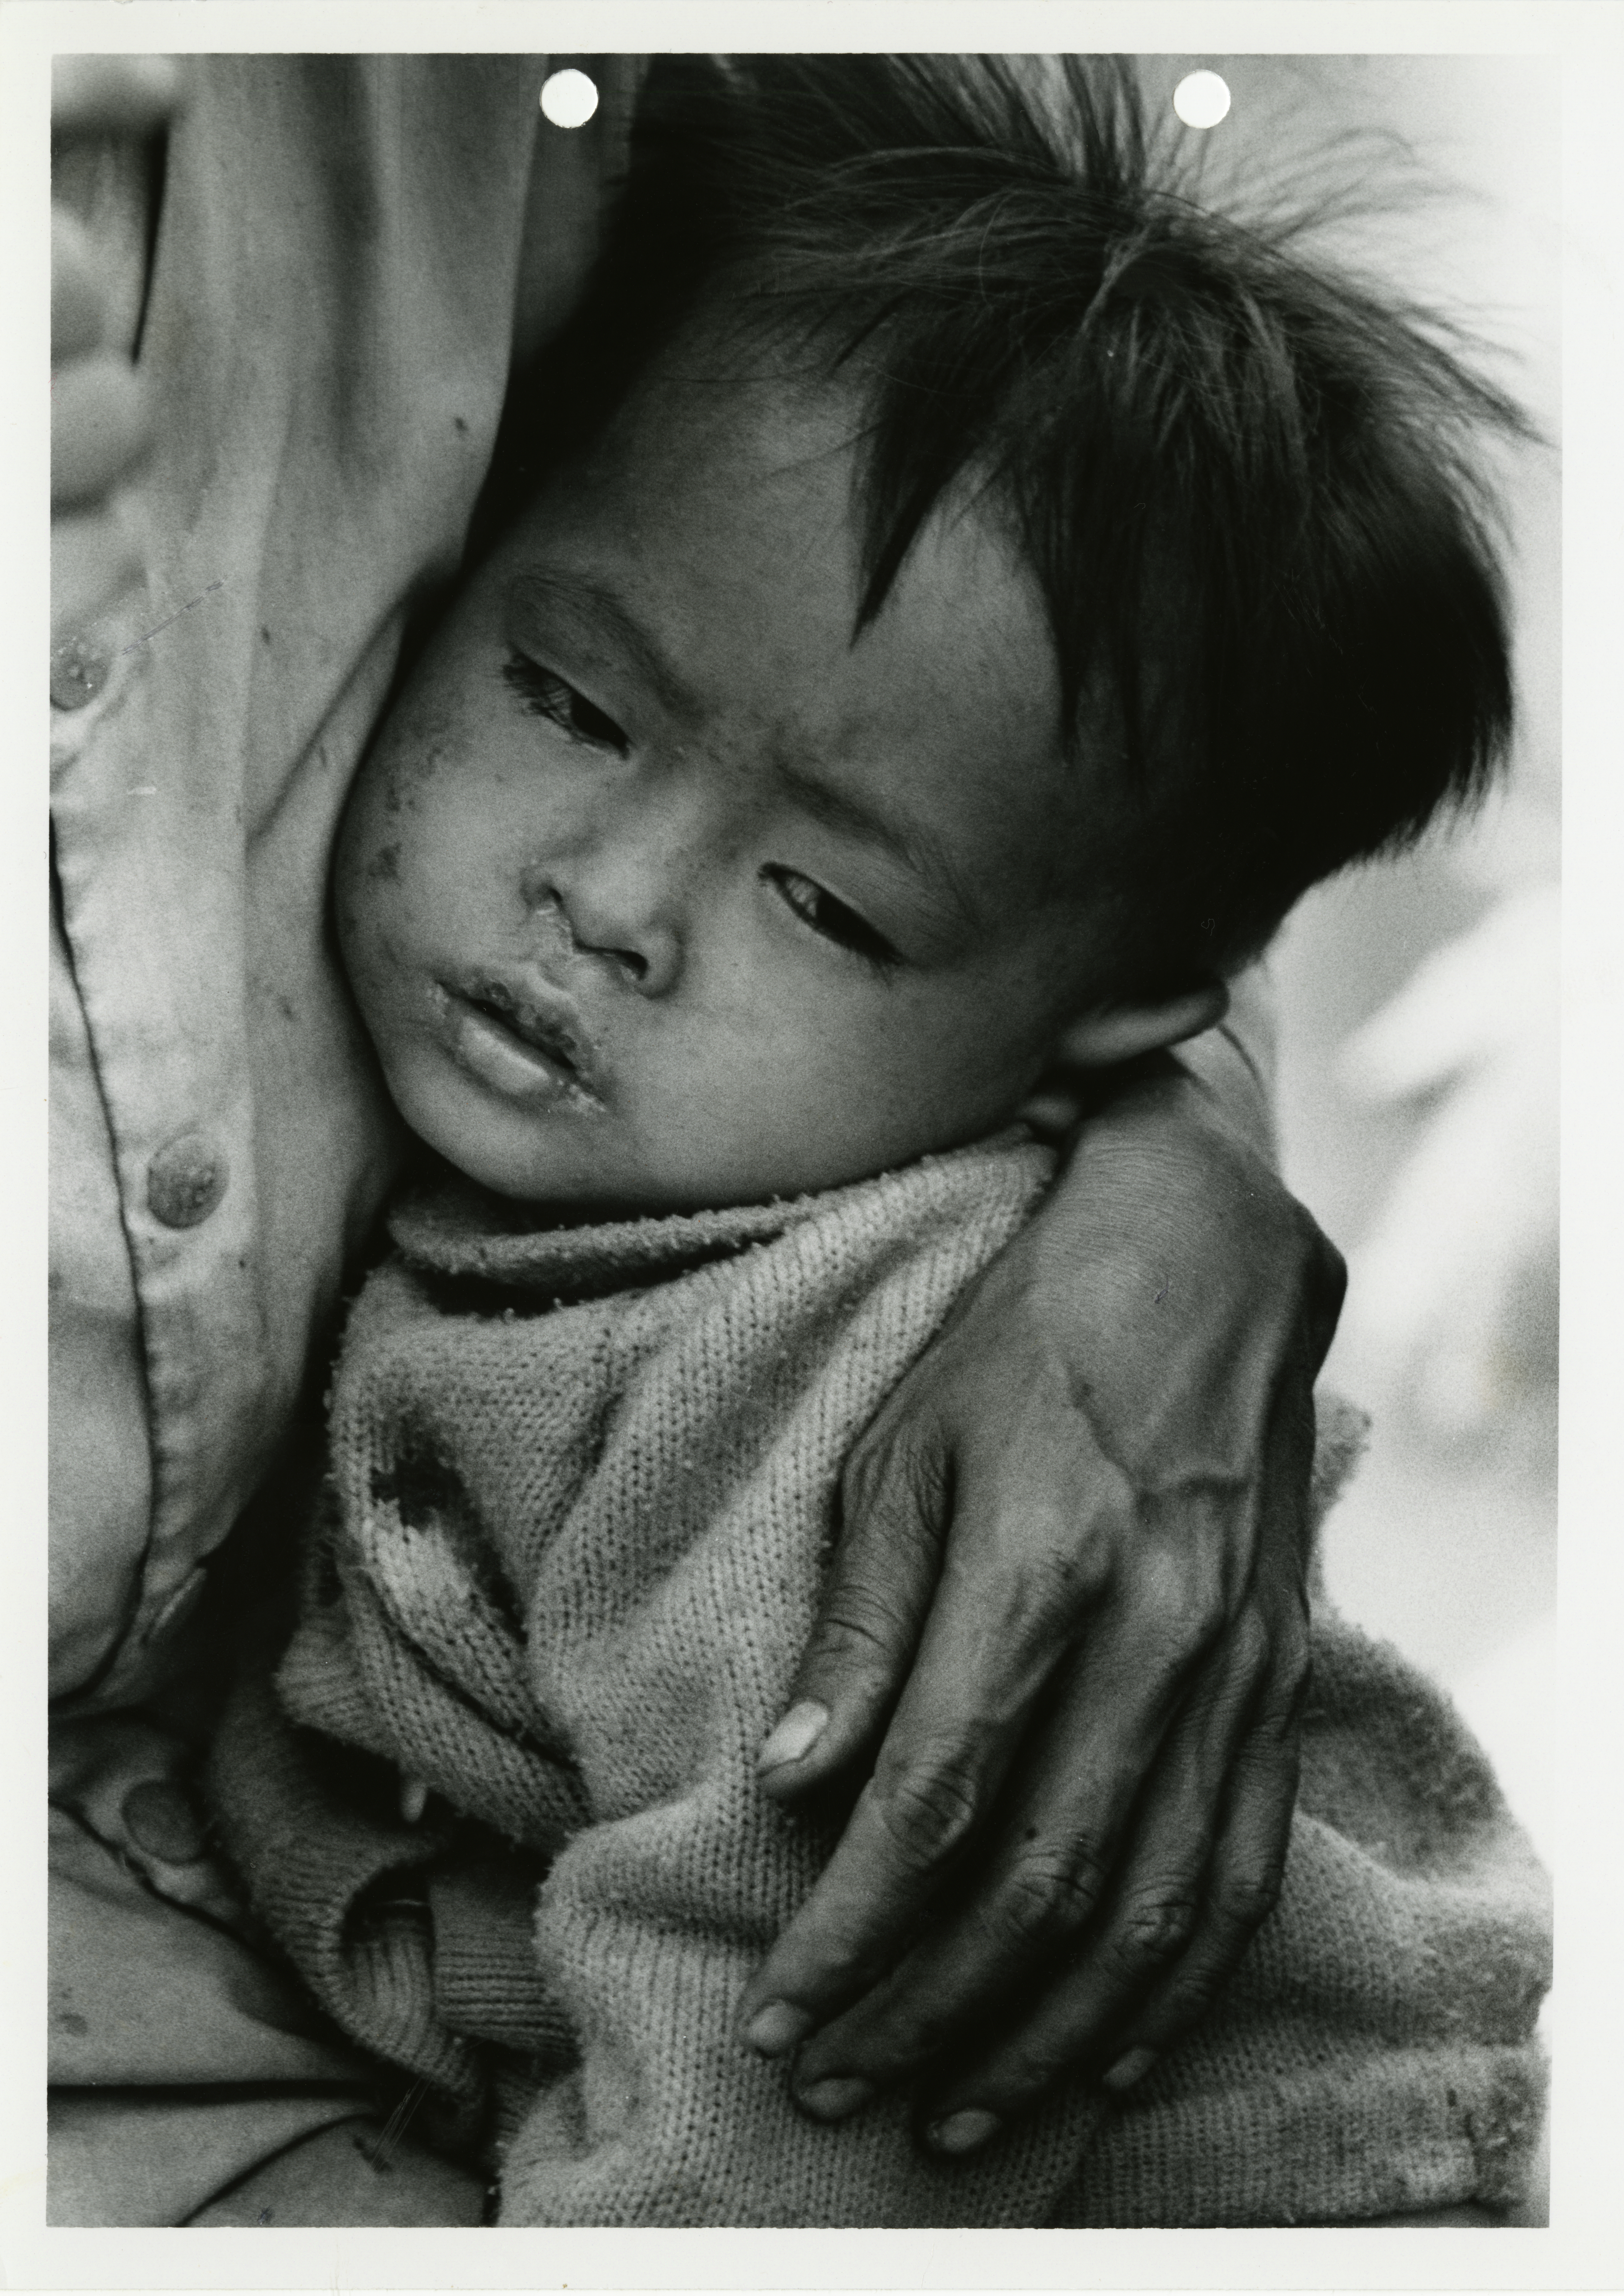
(495,1056)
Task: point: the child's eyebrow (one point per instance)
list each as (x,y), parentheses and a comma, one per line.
(588,600)
(585,599)
(915,844)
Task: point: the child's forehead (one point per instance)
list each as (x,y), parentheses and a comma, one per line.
(694,442)
(724,618)
(707,483)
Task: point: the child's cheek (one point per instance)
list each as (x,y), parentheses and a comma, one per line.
(388,818)
(382,865)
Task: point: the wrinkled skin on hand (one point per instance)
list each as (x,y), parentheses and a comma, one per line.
(101,410)
(1067,1627)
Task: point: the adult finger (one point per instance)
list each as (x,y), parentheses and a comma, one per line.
(115,96)
(1250,1855)
(94,558)
(1005,1614)
(1077,2016)
(1243,1889)
(1074,1853)
(101,425)
(895,1501)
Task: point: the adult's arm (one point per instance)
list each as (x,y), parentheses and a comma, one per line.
(1065,1631)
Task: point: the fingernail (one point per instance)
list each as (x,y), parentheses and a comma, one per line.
(775,2030)
(962,2132)
(799,1732)
(1131,2068)
(832,2100)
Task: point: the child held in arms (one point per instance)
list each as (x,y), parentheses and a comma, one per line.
(975,588)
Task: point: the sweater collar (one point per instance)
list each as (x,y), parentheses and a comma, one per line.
(444,1226)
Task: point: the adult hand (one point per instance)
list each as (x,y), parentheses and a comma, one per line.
(1069,1607)
(101,412)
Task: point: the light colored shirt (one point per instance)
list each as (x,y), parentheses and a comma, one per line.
(340,253)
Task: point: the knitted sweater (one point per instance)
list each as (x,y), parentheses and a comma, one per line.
(583,1485)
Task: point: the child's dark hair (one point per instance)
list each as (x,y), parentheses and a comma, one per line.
(1246,485)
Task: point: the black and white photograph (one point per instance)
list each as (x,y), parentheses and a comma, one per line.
(805,987)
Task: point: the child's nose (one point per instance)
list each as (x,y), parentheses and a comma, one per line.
(611,909)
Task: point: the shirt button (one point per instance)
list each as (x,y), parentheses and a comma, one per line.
(161,1821)
(80,668)
(186,1181)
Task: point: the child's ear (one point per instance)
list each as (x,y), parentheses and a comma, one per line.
(1112,1033)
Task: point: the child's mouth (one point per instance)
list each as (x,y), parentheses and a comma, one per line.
(524,1042)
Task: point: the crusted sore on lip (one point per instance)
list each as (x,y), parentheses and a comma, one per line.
(546,1036)
(527,1046)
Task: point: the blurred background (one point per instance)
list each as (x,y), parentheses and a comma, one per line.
(1418,1001)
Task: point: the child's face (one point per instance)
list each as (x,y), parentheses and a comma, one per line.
(657,890)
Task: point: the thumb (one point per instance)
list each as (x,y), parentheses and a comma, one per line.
(894,1504)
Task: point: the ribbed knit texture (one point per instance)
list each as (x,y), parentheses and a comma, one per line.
(572,1561)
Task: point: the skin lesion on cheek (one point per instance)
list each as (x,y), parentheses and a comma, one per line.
(411,765)
(384,866)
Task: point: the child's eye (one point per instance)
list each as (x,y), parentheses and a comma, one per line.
(546,694)
(831,917)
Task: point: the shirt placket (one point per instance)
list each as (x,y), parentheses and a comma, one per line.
(149,858)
